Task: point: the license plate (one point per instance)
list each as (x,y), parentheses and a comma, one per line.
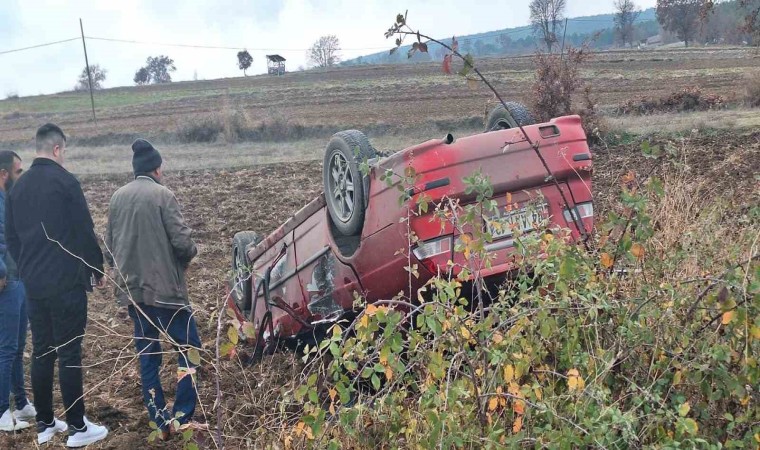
(524,219)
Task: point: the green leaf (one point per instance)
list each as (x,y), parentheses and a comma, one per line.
(469,63)
(153,425)
(226,348)
(232,334)
(690,426)
(684,409)
(194,356)
(191,446)
(249,330)
(375,381)
(187,434)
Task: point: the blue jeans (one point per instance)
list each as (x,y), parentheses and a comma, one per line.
(180,326)
(13,324)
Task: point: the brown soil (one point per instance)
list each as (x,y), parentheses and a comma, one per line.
(399,95)
(218,204)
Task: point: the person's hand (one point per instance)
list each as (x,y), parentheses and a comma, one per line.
(3,282)
(101,283)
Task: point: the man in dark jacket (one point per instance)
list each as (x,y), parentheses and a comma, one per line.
(50,235)
(13,321)
(150,248)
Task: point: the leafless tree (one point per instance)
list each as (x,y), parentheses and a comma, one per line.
(626,13)
(683,17)
(751,25)
(324,52)
(98,77)
(546,18)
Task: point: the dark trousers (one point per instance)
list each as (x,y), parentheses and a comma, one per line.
(58,324)
(13,324)
(180,326)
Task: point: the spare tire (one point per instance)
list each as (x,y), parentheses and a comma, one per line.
(241,288)
(500,119)
(346,188)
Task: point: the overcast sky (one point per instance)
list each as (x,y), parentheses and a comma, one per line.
(287,27)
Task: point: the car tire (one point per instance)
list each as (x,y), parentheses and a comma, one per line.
(241,287)
(346,188)
(500,119)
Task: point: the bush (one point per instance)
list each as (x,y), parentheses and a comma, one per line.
(583,356)
(556,81)
(690,98)
(201,129)
(235,126)
(752,92)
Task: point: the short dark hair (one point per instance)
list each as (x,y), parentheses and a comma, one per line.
(50,134)
(6,160)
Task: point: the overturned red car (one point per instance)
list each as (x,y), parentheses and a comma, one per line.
(346,241)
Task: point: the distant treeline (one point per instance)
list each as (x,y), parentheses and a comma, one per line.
(723,26)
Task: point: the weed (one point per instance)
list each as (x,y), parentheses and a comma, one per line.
(690,98)
(752,92)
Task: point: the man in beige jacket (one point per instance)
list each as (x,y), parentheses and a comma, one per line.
(149,250)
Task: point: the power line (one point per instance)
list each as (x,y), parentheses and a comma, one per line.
(214,47)
(37,46)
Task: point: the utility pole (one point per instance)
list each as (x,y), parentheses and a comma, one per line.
(564,35)
(89,75)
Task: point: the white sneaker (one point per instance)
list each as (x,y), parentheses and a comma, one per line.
(46,432)
(8,423)
(87,435)
(27,413)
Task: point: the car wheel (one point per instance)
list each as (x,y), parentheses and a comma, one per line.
(241,268)
(346,188)
(500,119)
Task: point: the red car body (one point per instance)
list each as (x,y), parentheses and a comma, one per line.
(315,272)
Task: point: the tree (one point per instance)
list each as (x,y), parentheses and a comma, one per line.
(751,26)
(626,13)
(324,52)
(142,76)
(505,42)
(159,68)
(546,18)
(682,17)
(98,77)
(479,47)
(244,61)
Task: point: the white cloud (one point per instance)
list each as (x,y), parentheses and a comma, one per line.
(287,27)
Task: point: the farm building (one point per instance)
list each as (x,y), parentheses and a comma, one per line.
(275,65)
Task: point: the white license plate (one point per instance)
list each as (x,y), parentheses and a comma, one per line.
(524,219)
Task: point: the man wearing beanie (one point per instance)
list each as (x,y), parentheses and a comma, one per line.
(150,249)
(49,233)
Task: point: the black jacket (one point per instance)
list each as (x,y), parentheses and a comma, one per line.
(45,205)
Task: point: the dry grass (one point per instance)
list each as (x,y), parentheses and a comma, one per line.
(117,159)
(740,118)
(752,91)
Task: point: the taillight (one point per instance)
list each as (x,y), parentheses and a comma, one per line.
(580,211)
(433,247)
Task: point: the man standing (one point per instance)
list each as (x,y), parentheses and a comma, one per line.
(13,321)
(50,234)
(151,247)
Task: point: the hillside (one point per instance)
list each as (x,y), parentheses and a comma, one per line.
(518,40)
